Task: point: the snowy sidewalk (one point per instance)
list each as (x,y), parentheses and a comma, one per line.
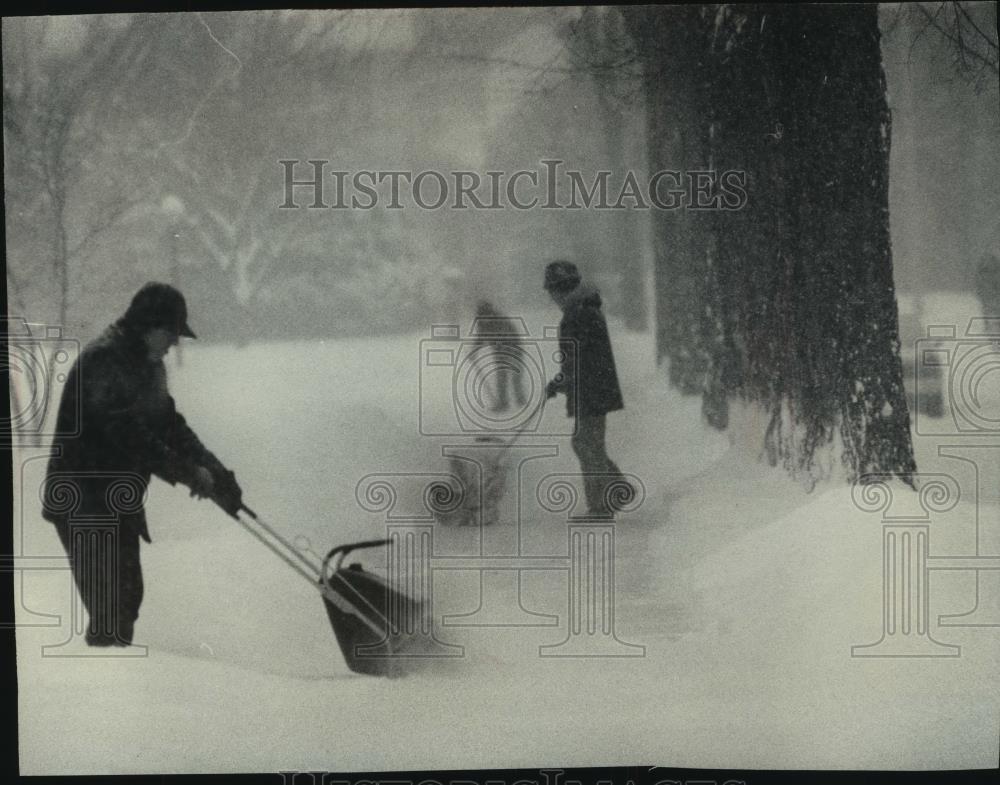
(747,593)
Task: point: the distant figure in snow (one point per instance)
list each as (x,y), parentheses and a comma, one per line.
(589,381)
(499,333)
(129,430)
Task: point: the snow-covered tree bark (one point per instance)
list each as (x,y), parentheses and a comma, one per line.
(792,300)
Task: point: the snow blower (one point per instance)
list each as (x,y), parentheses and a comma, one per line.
(364,610)
(483,481)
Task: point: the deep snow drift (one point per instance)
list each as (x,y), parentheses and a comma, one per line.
(746,591)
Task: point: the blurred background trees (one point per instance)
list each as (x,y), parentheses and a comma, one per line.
(143,147)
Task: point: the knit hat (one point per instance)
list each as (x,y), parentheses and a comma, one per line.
(561,276)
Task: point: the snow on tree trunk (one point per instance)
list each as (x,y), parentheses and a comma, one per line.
(796,307)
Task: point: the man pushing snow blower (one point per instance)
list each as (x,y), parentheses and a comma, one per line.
(589,381)
(129,429)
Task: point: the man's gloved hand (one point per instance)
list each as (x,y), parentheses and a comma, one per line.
(228,494)
(203,484)
(552,388)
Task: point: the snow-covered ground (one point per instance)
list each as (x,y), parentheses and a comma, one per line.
(746,591)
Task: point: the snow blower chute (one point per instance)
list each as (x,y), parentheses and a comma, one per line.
(370,619)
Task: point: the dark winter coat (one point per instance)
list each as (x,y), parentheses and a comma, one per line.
(129,430)
(589,377)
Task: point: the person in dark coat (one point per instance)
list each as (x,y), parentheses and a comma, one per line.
(587,378)
(129,430)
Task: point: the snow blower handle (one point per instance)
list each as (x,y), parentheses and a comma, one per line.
(273,540)
(537,413)
(341,551)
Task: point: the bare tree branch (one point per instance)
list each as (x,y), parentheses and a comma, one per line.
(961,49)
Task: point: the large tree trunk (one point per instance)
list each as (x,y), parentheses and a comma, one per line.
(628,248)
(668,39)
(789,302)
(805,270)
(601,34)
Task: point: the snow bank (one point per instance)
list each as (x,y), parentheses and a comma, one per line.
(746,592)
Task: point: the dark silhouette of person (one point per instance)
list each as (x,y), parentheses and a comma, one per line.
(128,430)
(589,380)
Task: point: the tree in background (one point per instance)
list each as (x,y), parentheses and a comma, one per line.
(285,86)
(791,304)
(148,146)
(667,44)
(71,172)
(969,34)
(945,123)
(71,158)
(600,45)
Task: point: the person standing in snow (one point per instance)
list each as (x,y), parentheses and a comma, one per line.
(499,334)
(588,379)
(128,430)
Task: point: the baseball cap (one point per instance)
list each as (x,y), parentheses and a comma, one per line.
(159,305)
